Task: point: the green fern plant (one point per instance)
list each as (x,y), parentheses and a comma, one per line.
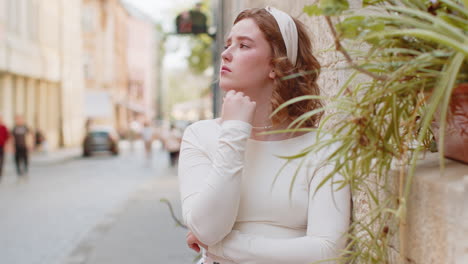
(417,53)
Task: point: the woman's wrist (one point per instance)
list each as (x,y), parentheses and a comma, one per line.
(238,125)
(235,123)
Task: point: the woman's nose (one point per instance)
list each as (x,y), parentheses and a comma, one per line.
(226,55)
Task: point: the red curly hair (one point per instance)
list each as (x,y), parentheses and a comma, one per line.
(307,69)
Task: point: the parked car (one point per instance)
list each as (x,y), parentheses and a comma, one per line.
(101,139)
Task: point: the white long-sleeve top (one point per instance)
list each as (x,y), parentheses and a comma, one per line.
(231,203)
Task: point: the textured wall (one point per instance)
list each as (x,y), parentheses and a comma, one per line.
(72,79)
(438,213)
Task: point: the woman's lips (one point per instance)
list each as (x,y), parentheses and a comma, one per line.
(225,69)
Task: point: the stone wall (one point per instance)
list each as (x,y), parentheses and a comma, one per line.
(437,221)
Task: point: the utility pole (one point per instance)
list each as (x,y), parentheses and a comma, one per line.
(218,11)
(160,43)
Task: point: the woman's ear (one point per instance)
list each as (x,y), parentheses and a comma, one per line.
(272,74)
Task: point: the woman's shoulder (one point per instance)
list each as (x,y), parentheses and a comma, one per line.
(322,148)
(203,129)
(208,125)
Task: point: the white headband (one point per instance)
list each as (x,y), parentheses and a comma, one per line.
(288,31)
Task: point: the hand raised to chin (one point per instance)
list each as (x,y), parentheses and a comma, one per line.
(237,106)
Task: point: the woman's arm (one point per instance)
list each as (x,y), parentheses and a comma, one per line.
(328,220)
(210,185)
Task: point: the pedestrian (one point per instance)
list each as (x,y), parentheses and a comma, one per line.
(21,136)
(172,144)
(135,130)
(38,139)
(3,140)
(241,202)
(88,124)
(147,136)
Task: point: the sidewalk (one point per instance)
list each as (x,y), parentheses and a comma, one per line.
(42,158)
(56,156)
(141,232)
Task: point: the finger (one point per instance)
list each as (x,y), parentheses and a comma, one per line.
(230,93)
(190,239)
(191,243)
(195,247)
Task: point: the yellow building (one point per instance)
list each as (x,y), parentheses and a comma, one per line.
(40,67)
(118,45)
(102,68)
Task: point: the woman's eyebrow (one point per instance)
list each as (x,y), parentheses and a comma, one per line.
(244,38)
(240,38)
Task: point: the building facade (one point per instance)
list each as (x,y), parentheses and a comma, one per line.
(40,77)
(99,65)
(142,66)
(120,60)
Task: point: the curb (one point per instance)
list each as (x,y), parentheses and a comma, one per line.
(45,159)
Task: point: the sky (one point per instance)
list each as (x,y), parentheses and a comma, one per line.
(164,12)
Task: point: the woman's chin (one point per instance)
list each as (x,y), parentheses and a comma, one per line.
(227,86)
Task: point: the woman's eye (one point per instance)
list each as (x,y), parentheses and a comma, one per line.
(226,47)
(243,46)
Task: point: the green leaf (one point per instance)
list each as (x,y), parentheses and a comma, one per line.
(295,100)
(376,26)
(350,27)
(448,85)
(456,5)
(296,172)
(422,34)
(277,174)
(358,25)
(313,10)
(299,74)
(455,21)
(444,87)
(200,57)
(371,2)
(333,7)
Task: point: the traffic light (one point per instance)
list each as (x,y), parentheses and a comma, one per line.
(191,22)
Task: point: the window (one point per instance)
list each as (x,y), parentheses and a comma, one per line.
(33,19)
(3,11)
(13,15)
(88,18)
(88,67)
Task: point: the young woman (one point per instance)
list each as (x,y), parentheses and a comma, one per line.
(231,202)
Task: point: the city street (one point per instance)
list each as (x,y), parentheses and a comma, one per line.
(102,209)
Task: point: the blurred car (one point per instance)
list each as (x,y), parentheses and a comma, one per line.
(101,139)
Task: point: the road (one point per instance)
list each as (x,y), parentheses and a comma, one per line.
(86,210)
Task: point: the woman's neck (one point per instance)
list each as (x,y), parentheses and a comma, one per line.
(262,121)
(262,98)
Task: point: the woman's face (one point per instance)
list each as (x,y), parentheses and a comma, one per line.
(246,60)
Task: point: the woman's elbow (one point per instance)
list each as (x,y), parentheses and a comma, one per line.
(205,231)
(331,249)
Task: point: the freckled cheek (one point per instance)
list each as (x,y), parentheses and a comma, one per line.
(253,60)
